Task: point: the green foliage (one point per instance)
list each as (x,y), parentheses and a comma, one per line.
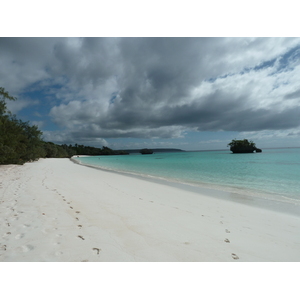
(242,146)
(21,142)
(241,143)
(87,150)
(3,97)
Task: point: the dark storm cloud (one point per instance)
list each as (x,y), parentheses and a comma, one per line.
(159,87)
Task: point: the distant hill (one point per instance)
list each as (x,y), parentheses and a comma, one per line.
(155,150)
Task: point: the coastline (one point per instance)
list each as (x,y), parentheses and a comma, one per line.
(239,195)
(55,210)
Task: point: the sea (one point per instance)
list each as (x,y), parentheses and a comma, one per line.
(272,175)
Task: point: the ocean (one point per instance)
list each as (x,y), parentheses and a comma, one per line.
(273,174)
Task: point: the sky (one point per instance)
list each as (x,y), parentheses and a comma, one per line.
(156,92)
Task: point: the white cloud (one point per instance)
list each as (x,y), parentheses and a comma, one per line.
(39,124)
(15,106)
(273,138)
(123,87)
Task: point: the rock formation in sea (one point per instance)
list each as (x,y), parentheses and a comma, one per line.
(243,146)
(146,151)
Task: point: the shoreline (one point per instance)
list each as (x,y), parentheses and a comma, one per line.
(238,195)
(56,210)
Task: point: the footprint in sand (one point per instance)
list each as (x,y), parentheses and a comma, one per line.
(27,248)
(81,237)
(80,226)
(234,256)
(98,250)
(227,231)
(19,236)
(226,241)
(77,212)
(71,207)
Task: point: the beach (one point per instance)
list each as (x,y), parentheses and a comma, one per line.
(54,210)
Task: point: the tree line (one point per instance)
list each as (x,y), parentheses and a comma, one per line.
(21,142)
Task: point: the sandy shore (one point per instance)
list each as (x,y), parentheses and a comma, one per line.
(56,210)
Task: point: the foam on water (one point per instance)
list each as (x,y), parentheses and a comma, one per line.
(272,174)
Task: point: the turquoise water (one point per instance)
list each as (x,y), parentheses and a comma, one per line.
(272,174)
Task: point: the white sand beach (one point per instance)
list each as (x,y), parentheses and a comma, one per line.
(59,211)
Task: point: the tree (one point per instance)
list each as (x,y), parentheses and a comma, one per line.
(242,146)
(9,131)
(19,141)
(4,96)
(11,137)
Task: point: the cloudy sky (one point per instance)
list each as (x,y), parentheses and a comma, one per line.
(188,93)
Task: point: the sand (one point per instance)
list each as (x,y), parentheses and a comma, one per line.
(57,211)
